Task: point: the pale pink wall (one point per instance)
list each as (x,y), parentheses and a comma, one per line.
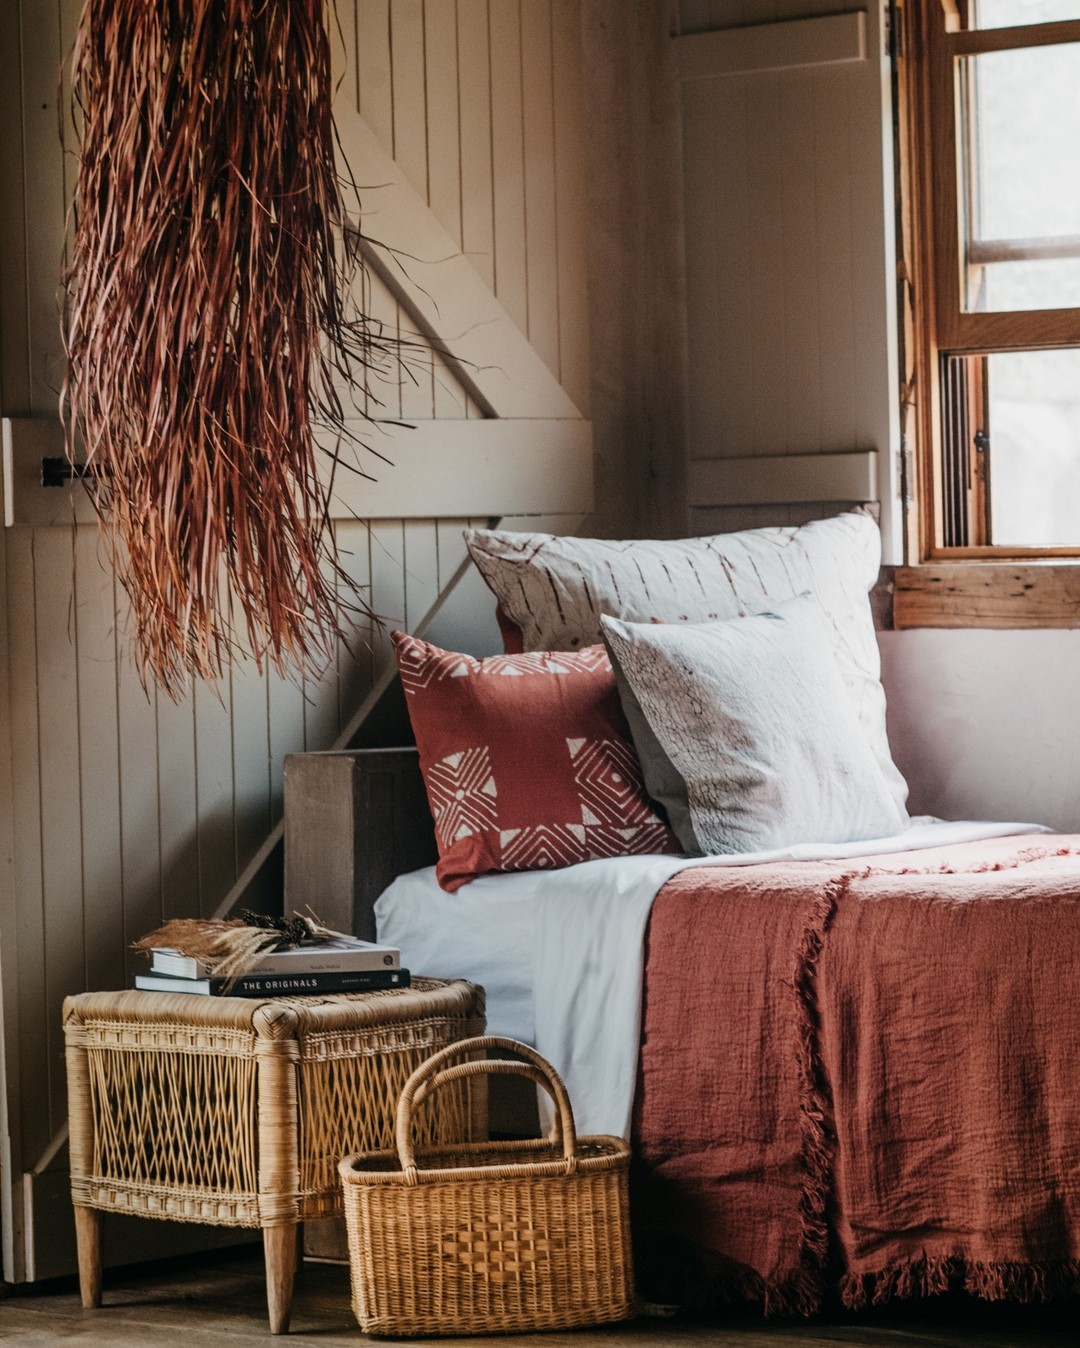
(986,724)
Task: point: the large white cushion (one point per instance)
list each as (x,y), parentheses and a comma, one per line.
(554,589)
(750,741)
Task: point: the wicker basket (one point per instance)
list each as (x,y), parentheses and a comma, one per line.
(488,1238)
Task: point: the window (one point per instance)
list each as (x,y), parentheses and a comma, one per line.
(990,124)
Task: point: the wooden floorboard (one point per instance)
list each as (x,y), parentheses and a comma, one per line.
(220,1299)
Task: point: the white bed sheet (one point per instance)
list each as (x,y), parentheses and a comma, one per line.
(560,952)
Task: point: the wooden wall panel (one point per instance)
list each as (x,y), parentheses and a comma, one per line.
(508,164)
(14,348)
(443,119)
(252,817)
(214,808)
(62,839)
(140,886)
(571,209)
(27,895)
(835,309)
(474,110)
(789,240)
(127,808)
(97,719)
(538,153)
(636,315)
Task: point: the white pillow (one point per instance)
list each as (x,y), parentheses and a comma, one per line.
(554,589)
(751,742)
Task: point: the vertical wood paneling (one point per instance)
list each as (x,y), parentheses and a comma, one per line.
(450,399)
(58,715)
(836,293)
(26,774)
(355,660)
(388,590)
(41,56)
(99,768)
(873,234)
(444,156)
(708,240)
(140,806)
(285,719)
(371,19)
(442,123)
(387,584)
(408,90)
(421,555)
(10,1039)
(443,129)
(14,348)
(214,802)
(720,301)
(765,270)
(177,805)
(538,142)
(477,195)
(252,819)
(792,349)
(128,809)
(798,185)
(374,22)
(508,161)
(321,719)
(383,395)
(571,220)
(450,544)
(410,150)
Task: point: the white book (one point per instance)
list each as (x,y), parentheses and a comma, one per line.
(342,956)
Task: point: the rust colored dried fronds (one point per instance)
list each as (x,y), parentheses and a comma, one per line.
(208,325)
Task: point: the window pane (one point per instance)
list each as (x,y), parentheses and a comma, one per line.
(1033,402)
(1020,129)
(1007,13)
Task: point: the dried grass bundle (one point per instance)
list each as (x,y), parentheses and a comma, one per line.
(207,322)
(230,947)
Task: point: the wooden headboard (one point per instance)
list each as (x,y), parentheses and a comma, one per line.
(354,819)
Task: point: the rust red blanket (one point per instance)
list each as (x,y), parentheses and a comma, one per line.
(864,1076)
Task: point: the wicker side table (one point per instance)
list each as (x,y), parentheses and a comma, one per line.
(235,1111)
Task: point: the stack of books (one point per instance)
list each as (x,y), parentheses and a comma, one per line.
(344,965)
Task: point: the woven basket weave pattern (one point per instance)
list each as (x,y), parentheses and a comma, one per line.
(237,1113)
(335,1073)
(489,1238)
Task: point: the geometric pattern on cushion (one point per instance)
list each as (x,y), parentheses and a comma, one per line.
(608,779)
(527,760)
(462,792)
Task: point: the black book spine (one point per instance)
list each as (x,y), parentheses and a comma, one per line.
(278,985)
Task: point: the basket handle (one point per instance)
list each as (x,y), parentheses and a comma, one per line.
(431,1074)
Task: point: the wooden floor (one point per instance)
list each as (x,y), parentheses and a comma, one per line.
(216,1300)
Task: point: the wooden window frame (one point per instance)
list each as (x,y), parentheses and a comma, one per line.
(975,584)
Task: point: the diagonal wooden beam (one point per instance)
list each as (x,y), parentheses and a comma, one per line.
(445,296)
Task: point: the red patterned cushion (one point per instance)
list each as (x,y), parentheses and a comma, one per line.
(527,760)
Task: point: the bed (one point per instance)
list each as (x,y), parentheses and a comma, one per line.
(847,1067)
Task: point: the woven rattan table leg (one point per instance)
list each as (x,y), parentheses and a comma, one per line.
(280,1245)
(88,1243)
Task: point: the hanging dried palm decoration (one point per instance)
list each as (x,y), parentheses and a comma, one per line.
(207,320)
